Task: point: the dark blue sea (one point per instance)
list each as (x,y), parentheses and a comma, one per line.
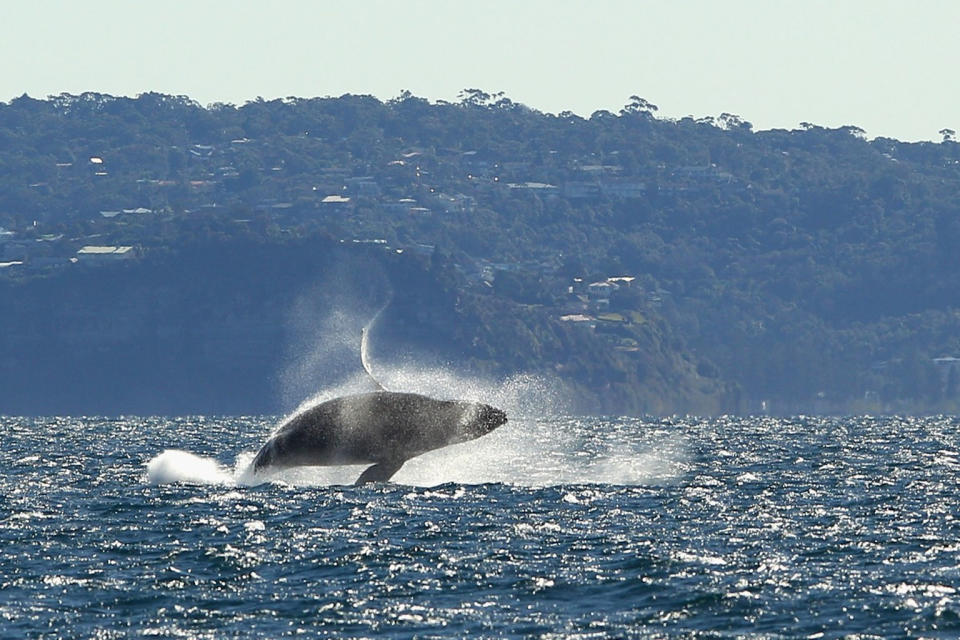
(551,527)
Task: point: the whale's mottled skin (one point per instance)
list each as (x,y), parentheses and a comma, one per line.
(385,428)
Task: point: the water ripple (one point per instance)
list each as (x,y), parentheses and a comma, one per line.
(558,528)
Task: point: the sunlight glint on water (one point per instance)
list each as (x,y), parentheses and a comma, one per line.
(549,527)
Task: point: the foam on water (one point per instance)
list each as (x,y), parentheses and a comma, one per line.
(173,466)
(530,450)
(524,453)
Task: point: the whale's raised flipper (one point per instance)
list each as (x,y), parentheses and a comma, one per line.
(380,472)
(365,361)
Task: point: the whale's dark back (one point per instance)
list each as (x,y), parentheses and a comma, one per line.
(377,427)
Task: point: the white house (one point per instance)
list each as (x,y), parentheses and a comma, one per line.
(95,254)
(602,289)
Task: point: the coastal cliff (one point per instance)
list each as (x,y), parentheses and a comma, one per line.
(226,328)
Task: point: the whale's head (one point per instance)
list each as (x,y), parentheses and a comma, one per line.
(481,419)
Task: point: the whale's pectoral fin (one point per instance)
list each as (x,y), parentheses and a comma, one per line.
(380,472)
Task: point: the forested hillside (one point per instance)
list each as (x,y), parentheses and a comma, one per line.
(652,264)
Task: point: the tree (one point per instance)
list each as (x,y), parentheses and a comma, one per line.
(474,97)
(405,95)
(639,106)
(733,122)
(854,131)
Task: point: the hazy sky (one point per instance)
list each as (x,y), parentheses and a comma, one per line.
(888,67)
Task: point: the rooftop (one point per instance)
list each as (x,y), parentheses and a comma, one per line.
(97,250)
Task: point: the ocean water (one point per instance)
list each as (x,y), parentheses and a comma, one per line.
(551,527)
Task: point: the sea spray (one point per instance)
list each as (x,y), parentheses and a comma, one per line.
(176,466)
(536,448)
(526,453)
(323,329)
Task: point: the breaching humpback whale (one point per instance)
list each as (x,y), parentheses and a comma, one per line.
(385,428)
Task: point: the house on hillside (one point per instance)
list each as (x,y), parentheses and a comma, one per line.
(602,289)
(539,188)
(335,203)
(99,254)
(580,320)
(599,293)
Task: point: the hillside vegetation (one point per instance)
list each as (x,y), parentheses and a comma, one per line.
(803,270)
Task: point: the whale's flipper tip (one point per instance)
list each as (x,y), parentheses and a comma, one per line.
(380,472)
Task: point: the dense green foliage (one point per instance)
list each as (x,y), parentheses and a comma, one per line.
(813,268)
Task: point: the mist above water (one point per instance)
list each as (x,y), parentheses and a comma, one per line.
(537,447)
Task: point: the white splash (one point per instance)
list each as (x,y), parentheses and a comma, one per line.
(523,453)
(535,448)
(661,463)
(175,466)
